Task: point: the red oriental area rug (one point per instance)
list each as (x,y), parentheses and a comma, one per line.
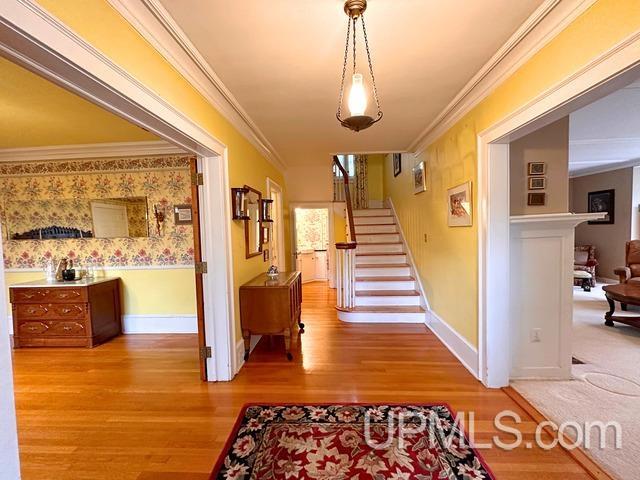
(349,442)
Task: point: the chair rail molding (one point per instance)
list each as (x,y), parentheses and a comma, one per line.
(156,25)
(542,26)
(89,150)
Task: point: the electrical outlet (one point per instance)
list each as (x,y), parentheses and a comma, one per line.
(535,335)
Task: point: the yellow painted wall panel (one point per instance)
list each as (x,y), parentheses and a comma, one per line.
(448,262)
(375,165)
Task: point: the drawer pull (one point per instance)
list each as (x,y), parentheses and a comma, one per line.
(66,328)
(68,294)
(33,311)
(66,310)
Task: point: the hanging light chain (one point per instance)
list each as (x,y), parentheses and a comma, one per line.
(344,68)
(354,44)
(373,78)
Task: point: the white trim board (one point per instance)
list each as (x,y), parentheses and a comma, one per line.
(539,29)
(154,23)
(166,324)
(89,150)
(456,343)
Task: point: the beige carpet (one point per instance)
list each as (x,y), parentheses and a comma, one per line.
(605,388)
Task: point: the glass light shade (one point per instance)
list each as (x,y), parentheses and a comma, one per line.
(357,96)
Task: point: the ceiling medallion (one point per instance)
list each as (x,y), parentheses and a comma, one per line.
(357,98)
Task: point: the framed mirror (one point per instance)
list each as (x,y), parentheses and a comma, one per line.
(253,225)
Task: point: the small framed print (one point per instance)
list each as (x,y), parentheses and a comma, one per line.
(537,183)
(397,164)
(183,214)
(537,168)
(266,234)
(265,254)
(537,199)
(460,206)
(419,181)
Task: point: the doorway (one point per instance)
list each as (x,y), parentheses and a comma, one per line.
(276,241)
(311,229)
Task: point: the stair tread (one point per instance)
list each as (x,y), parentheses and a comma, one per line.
(383,265)
(385,279)
(383,243)
(387,293)
(381,254)
(388,309)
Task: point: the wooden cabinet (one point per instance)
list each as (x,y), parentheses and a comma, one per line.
(271,307)
(80,314)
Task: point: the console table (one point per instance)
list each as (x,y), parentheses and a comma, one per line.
(81,313)
(271,306)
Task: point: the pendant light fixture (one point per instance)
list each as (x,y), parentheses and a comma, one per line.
(357,96)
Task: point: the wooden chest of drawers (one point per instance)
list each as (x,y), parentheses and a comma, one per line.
(271,307)
(75,314)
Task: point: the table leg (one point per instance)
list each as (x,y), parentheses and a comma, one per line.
(607,316)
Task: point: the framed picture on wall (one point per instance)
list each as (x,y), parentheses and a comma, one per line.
(537,199)
(397,164)
(419,181)
(537,183)
(183,214)
(537,168)
(602,201)
(459,205)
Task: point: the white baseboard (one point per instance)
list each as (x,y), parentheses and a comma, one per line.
(240,350)
(459,346)
(133,324)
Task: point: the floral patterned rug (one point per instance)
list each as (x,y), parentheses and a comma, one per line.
(350,442)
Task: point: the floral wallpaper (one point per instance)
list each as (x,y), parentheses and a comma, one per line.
(312,228)
(164,181)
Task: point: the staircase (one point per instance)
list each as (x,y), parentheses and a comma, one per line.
(385,289)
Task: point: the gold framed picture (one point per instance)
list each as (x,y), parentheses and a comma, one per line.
(537,168)
(537,199)
(419,181)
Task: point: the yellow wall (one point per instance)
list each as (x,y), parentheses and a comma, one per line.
(375,165)
(448,261)
(98,23)
(35,112)
(144,292)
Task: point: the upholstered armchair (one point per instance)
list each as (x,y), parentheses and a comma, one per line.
(584,259)
(631,271)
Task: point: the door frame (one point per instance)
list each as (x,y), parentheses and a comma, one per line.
(602,75)
(331,254)
(273,186)
(30,36)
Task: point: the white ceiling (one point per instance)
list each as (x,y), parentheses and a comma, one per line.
(282,60)
(606,133)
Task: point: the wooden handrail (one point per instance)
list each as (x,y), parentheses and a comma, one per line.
(347,196)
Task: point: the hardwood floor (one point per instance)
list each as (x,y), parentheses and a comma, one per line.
(135,408)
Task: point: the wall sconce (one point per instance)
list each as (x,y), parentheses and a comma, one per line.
(239,203)
(160,214)
(265,210)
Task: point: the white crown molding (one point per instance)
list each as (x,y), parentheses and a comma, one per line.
(89,150)
(156,25)
(584,172)
(540,28)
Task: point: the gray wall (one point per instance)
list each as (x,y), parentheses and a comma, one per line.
(609,240)
(550,145)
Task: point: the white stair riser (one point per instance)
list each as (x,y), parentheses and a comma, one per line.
(381,259)
(362,285)
(377,317)
(372,212)
(384,238)
(388,300)
(373,220)
(383,271)
(361,229)
(390,248)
